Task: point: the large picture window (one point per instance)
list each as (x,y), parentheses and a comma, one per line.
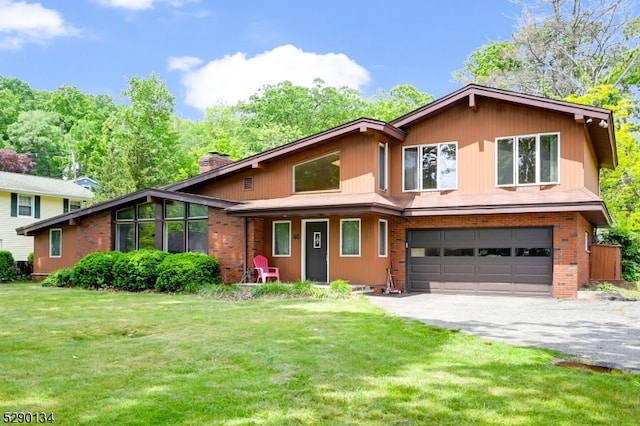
(281,238)
(528,160)
(349,237)
(321,174)
(430,167)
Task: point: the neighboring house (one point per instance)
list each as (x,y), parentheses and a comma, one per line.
(482,191)
(87,182)
(25,199)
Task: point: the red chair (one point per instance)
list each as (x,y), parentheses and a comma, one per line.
(264,270)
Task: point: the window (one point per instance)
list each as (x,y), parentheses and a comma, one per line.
(321,174)
(430,167)
(281,238)
(25,206)
(383,227)
(350,237)
(248,183)
(528,160)
(587,241)
(383,166)
(55,243)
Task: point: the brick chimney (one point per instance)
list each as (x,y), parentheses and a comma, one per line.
(213,160)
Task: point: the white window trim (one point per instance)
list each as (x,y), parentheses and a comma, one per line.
(32,205)
(516,154)
(273,238)
(384,185)
(293,175)
(419,189)
(386,239)
(51,231)
(359,237)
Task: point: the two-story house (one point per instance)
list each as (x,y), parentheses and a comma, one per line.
(26,199)
(483,191)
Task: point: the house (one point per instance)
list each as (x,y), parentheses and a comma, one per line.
(87,182)
(25,199)
(483,191)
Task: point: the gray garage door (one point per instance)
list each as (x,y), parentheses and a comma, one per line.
(515,261)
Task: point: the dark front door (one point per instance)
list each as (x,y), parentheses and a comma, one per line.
(316,260)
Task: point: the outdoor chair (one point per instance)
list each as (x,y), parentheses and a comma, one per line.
(264,270)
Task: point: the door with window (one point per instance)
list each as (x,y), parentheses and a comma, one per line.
(316,260)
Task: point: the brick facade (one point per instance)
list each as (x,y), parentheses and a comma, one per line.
(570,261)
(227,244)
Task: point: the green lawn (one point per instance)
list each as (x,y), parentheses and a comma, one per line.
(104,358)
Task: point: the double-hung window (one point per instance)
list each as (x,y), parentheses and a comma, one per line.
(25,206)
(528,160)
(430,167)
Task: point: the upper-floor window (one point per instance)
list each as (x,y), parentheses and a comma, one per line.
(320,174)
(430,167)
(528,160)
(25,206)
(383,166)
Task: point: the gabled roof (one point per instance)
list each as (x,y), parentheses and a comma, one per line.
(602,136)
(145,195)
(39,185)
(357,126)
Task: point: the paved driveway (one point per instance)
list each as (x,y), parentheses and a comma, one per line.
(600,332)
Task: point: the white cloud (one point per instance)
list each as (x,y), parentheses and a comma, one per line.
(22,22)
(141,4)
(236,77)
(184,63)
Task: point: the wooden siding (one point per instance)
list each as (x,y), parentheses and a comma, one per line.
(476,131)
(606,263)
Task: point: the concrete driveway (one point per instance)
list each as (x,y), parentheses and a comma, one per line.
(600,332)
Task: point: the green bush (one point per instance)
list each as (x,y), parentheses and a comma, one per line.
(95,270)
(630,242)
(137,270)
(186,272)
(7,266)
(59,278)
(272,288)
(340,287)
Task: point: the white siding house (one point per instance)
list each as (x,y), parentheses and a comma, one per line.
(25,199)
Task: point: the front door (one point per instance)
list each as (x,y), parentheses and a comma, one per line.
(316,251)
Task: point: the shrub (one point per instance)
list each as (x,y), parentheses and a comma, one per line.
(186,272)
(95,270)
(630,242)
(59,278)
(273,288)
(137,270)
(340,287)
(7,266)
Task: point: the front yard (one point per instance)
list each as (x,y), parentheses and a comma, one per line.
(104,358)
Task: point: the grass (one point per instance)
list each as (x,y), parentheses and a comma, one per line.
(104,358)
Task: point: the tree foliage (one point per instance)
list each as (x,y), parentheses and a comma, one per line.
(11,161)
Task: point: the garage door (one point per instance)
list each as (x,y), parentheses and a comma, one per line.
(515,261)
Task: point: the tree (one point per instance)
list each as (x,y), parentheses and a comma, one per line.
(399,101)
(562,48)
(11,161)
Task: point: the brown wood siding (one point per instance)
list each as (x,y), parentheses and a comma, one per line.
(606,263)
(590,169)
(274,180)
(476,131)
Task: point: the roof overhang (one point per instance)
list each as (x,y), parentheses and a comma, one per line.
(143,196)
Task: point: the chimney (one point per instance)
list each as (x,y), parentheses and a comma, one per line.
(213,160)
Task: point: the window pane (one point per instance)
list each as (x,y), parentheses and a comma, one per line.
(350,238)
(198,237)
(382,238)
(174,237)
(55,243)
(321,174)
(505,161)
(447,167)
(125,237)
(146,235)
(24,205)
(173,209)
(494,252)
(549,158)
(382,167)
(533,252)
(527,159)
(147,211)
(411,169)
(198,210)
(75,205)
(458,252)
(430,167)
(281,238)
(125,214)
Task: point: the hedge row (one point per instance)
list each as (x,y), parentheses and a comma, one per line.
(139,270)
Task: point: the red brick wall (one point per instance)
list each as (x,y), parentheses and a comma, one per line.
(226,243)
(569,265)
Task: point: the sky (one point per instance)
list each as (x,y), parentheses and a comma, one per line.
(210,51)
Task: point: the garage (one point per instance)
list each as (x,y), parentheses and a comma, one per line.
(504,261)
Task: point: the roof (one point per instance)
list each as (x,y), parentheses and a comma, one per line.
(598,122)
(39,185)
(145,195)
(361,125)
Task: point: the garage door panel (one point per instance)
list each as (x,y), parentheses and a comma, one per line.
(495,269)
(427,268)
(459,269)
(459,235)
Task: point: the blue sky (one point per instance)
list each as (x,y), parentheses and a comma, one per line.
(221,51)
